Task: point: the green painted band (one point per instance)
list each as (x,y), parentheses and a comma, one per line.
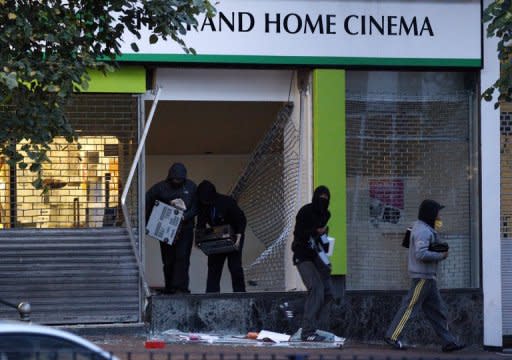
(329,158)
(301,60)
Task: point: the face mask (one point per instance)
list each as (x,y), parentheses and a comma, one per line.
(205,203)
(176,183)
(324,203)
(438,224)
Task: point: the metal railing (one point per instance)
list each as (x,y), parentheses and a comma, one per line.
(24,309)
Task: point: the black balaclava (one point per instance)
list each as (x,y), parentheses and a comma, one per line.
(321,205)
(206,192)
(177,175)
(429,209)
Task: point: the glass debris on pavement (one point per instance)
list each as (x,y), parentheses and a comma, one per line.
(261,338)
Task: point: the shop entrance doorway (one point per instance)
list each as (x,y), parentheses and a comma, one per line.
(228,142)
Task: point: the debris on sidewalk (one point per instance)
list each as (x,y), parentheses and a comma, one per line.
(328,336)
(261,338)
(266,335)
(154,344)
(252,335)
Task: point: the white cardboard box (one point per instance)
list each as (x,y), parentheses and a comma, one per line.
(164,222)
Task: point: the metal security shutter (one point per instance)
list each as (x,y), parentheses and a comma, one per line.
(506,278)
(403,148)
(70,276)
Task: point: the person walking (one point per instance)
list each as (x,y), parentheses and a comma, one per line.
(217,209)
(424,293)
(176,189)
(310,226)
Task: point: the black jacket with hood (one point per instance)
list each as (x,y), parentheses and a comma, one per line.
(217,209)
(165,191)
(309,218)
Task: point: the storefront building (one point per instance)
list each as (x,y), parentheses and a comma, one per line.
(380,102)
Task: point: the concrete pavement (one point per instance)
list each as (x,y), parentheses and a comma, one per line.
(132,347)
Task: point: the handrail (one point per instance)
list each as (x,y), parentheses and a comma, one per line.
(128,183)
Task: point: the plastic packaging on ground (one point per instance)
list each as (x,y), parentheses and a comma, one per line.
(262,338)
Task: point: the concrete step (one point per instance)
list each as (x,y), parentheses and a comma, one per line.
(358,315)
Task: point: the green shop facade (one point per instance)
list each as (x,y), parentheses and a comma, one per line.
(379,101)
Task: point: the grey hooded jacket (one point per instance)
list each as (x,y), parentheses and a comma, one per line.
(422,263)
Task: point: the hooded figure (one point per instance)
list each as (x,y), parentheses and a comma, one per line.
(310,218)
(217,209)
(176,257)
(428,212)
(423,293)
(177,175)
(206,193)
(310,224)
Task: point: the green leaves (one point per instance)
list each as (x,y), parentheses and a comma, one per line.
(498,15)
(171,18)
(46,49)
(134,47)
(9,80)
(153,39)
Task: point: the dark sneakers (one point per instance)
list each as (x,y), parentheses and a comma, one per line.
(398,345)
(452,347)
(395,344)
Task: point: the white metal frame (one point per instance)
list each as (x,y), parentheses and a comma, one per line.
(490,181)
(126,215)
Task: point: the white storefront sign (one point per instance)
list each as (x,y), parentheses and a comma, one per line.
(328,32)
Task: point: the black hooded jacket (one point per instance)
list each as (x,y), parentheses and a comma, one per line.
(309,218)
(165,192)
(217,209)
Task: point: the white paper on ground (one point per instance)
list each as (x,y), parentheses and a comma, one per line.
(275,337)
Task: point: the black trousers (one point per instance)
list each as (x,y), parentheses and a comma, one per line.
(215,266)
(176,260)
(318,300)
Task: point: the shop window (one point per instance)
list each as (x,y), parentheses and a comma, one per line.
(84,179)
(82,186)
(408,138)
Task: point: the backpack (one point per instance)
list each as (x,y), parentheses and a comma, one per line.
(407,238)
